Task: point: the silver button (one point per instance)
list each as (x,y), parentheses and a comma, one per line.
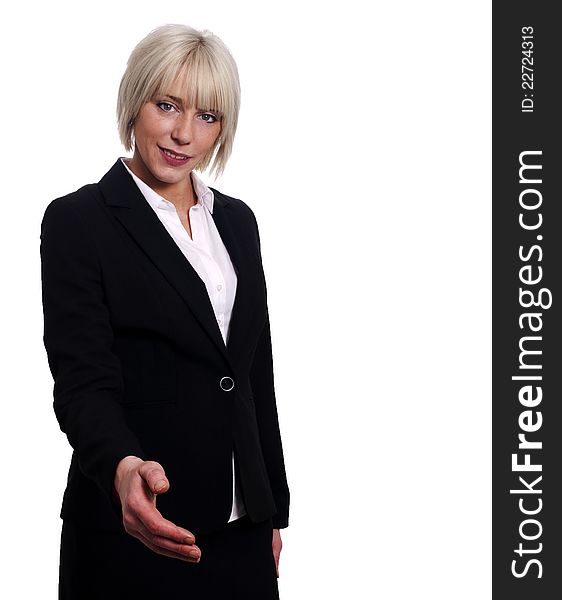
(219,287)
(227,384)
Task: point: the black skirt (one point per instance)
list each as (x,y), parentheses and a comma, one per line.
(236,563)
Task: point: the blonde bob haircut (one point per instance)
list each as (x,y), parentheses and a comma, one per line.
(208,74)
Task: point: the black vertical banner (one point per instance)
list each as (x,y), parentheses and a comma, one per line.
(527,301)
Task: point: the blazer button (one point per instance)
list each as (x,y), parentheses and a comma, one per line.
(227,384)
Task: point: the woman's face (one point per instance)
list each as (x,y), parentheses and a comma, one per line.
(171,139)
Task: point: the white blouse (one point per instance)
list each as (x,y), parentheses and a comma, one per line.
(209,258)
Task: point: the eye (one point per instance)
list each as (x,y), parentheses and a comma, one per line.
(165,106)
(209,117)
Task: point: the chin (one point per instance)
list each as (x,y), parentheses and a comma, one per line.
(175,177)
(168,173)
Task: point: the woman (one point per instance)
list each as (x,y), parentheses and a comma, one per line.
(157,335)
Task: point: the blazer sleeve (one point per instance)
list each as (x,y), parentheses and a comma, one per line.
(263,390)
(78,339)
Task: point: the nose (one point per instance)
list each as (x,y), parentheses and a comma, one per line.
(182,132)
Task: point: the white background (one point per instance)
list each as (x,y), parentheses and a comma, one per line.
(364,148)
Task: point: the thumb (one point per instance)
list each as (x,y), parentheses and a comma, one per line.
(153,473)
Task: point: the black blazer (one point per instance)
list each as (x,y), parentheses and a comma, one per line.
(137,359)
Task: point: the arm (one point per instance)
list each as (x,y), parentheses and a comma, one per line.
(263,390)
(78,339)
(88,386)
(262,382)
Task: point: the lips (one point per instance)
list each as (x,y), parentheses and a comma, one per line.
(173,158)
(173,154)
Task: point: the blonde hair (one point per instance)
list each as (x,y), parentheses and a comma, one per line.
(207,70)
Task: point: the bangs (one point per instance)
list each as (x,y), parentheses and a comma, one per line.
(203,85)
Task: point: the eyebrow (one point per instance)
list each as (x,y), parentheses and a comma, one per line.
(174,98)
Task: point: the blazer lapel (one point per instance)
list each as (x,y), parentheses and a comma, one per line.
(128,205)
(245,302)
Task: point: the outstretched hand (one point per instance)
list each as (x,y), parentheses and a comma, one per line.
(137,483)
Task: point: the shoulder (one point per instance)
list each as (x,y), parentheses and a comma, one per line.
(73,206)
(223,200)
(72,212)
(234,206)
(73,202)
(240,216)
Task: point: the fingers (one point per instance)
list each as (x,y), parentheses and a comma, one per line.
(175,543)
(157,525)
(153,523)
(165,547)
(153,473)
